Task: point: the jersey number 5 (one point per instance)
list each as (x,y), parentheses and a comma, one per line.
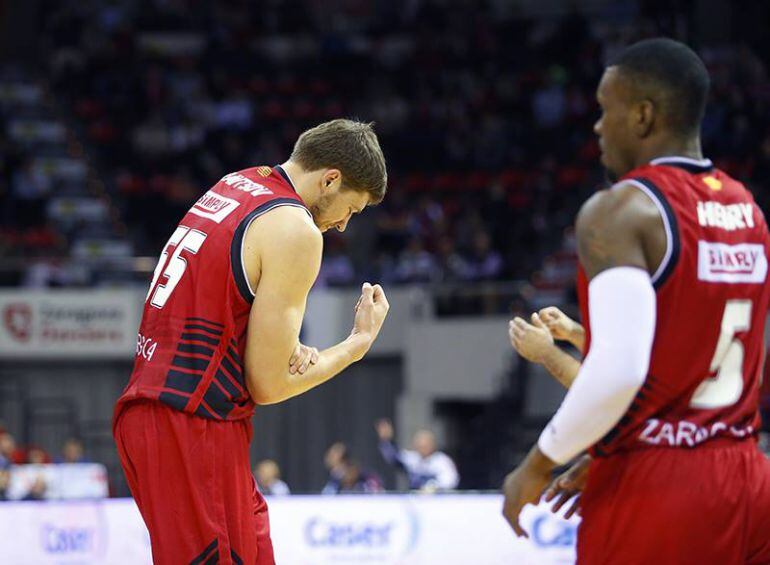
(726,388)
(183,239)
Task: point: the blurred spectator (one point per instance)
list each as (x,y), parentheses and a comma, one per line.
(73,452)
(427,468)
(354,480)
(337,267)
(38,489)
(346,474)
(268,476)
(29,188)
(484,262)
(9,452)
(415,263)
(37,456)
(334,461)
(5,480)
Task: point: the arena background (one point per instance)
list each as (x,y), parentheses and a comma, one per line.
(116,115)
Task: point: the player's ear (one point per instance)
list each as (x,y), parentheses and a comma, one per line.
(331,180)
(644,115)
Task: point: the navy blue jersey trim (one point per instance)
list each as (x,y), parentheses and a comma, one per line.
(201,557)
(183,382)
(199,337)
(676,246)
(285,176)
(233,370)
(227,384)
(234,354)
(203,329)
(209,322)
(176,401)
(691,168)
(218,402)
(195,349)
(203,413)
(236,263)
(190,363)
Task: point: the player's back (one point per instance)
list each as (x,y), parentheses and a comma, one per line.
(192,337)
(712,300)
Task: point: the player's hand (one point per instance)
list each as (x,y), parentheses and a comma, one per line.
(524,485)
(531,341)
(371,309)
(384,429)
(301,359)
(560,325)
(568,486)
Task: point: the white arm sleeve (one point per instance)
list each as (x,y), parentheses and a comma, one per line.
(621,304)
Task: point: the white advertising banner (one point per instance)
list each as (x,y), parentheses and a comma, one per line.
(306,530)
(69,324)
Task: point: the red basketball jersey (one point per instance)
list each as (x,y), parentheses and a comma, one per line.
(193,333)
(712,299)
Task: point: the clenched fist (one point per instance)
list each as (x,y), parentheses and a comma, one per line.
(371,309)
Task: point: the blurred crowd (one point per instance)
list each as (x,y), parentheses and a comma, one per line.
(424,467)
(485,117)
(12,455)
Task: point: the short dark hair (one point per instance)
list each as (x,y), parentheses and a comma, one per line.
(347,145)
(673,75)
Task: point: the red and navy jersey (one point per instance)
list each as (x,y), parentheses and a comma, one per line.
(192,338)
(712,300)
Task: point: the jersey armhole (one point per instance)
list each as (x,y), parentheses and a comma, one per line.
(670,224)
(236,246)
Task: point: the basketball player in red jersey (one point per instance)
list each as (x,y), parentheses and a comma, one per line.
(674,296)
(220,334)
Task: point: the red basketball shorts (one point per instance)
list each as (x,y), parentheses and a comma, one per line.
(192,481)
(669,506)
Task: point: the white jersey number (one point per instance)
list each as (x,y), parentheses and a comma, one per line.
(726,388)
(183,239)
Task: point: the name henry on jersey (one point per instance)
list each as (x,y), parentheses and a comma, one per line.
(728,217)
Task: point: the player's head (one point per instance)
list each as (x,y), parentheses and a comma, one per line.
(652,95)
(424,442)
(348,170)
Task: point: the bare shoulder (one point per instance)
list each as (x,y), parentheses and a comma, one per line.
(284,244)
(619,204)
(289,226)
(614,228)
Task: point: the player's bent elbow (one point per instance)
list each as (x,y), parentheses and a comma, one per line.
(260,391)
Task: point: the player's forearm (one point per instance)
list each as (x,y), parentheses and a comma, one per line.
(561,365)
(267,389)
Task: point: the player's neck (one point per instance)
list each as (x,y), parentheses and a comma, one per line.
(671,148)
(299,179)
